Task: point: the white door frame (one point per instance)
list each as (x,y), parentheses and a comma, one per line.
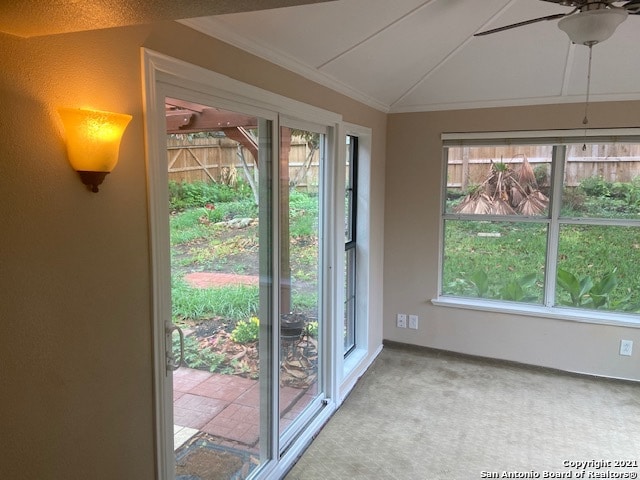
(162,77)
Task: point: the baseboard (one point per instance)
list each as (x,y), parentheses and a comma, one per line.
(498,361)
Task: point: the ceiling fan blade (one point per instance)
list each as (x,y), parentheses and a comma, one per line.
(632,7)
(521,24)
(568,3)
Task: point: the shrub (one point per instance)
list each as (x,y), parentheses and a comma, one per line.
(629,192)
(312,329)
(596,187)
(246,332)
(541,173)
(197,355)
(199,194)
(585,292)
(574,199)
(455,193)
(221,212)
(479,284)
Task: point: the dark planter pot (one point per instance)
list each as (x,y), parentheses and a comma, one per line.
(292,324)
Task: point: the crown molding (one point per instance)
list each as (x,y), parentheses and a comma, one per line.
(514,102)
(217,28)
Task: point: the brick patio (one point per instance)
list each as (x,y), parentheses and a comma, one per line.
(226,406)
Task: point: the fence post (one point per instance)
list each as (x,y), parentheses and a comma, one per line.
(464,182)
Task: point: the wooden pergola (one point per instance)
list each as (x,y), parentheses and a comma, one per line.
(185,117)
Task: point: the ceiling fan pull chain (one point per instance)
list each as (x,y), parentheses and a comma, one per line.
(585,120)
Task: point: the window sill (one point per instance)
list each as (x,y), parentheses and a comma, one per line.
(558,313)
(352,360)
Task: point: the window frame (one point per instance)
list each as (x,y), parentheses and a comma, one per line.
(367,344)
(350,246)
(559,140)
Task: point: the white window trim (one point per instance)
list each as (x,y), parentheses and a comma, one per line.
(534,137)
(599,317)
(360,357)
(553,137)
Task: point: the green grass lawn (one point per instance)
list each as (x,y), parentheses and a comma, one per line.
(504,252)
(200,243)
(510,254)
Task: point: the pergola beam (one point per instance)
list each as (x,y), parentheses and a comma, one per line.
(186,118)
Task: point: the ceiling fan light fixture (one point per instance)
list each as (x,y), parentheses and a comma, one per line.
(592,26)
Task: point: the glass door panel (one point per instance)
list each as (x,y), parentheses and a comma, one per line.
(351,182)
(300,312)
(221,276)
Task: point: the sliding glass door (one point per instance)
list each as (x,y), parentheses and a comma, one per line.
(301,311)
(246,284)
(220,217)
(225,256)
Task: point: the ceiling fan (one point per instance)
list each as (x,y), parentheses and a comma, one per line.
(590,21)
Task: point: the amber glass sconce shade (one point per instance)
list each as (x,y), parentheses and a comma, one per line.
(93,142)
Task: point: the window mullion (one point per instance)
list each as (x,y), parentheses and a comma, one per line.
(614,222)
(494,218)
(553,235)
(443,212)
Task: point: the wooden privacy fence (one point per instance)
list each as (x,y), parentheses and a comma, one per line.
(217,159)
(613,162)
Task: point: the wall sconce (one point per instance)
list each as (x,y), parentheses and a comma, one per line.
(93,141)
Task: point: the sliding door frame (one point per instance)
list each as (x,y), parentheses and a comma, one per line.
(164,76)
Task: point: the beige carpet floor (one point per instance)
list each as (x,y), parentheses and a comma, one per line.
(424,414)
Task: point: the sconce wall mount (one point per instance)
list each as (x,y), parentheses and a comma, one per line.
(93,142)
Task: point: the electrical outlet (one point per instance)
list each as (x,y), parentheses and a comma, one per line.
(401,320)
(626,347)
(413,321)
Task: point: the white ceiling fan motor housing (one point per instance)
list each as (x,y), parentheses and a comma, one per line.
(592,26)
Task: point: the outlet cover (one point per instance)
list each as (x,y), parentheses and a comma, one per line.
(626,347)
(413,321)
(401,320)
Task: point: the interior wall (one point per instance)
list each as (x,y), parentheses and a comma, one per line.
(414,172)
(75,294)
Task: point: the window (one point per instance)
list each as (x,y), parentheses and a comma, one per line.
(547,222)
(351,182)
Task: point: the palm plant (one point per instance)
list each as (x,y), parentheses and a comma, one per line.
(506,191)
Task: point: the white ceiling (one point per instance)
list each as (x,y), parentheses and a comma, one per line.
(420,55)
